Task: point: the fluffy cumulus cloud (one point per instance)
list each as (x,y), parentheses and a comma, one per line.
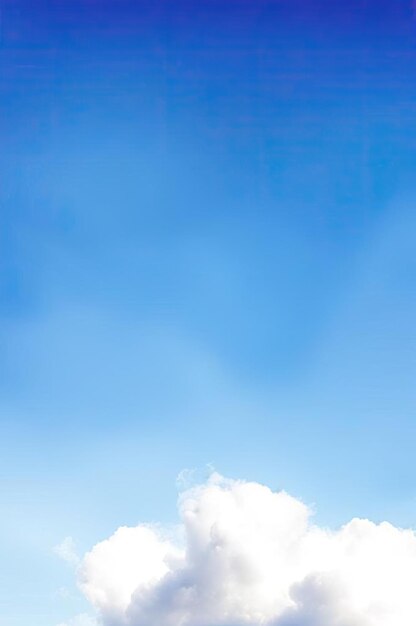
(245,555)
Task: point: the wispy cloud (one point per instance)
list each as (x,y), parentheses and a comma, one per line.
(251,556)
(66,550)
(80,620)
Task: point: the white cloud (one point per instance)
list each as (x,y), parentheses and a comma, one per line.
(249,556)
(66,551)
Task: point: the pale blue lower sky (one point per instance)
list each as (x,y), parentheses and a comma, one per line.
(103,408)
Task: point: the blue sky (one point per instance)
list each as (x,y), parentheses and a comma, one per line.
(207,256)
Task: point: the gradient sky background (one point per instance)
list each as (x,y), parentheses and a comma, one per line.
(207,256)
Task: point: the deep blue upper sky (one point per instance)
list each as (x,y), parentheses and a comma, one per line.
(272,133)
(207,255)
